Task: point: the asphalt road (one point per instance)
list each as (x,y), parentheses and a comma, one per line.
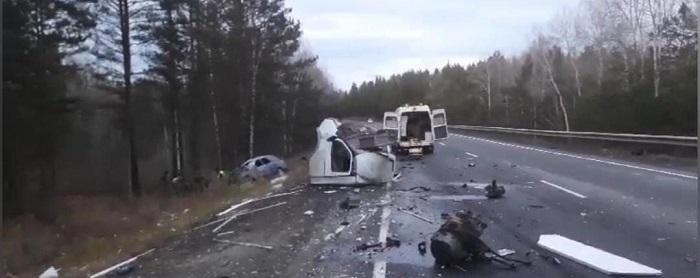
(644,213)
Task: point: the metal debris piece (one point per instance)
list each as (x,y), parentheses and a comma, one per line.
(422,248)
(416,216)
(536,206)
(345,223)
(392,242)
(365,246)
(494,191)
(458,240)
(247,244)
(471,164)
(330,191)
(309,212)
(348,203)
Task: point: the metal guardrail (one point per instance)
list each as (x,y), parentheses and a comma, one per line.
(687,141)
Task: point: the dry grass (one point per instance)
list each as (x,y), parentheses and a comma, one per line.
(94,232)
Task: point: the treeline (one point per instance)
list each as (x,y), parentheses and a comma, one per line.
(106,95)
(607,65)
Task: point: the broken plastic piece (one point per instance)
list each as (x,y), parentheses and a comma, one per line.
(244,244)
(51,272)
(110,269)
(505,252)
(595,258)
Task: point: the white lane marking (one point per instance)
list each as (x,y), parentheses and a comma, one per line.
(563,189)
(587,158)
(442,144)
(471,154)
(379,270)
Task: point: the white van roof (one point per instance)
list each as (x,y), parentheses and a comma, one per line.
(411,108)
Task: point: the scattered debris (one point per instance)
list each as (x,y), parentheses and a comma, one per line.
(595,258)
(444,215)
(309,212)
(457,197)
(392,242)
(232,208)
(345,223)
(536,206)
(552,259)
(495,191)
(471,164)
(348,203)
(416,216)
(244,244)
(51,272)
(330,191)
(422,248)
(245,213)
(112,268)
(422,188)
(209,224)
(356,190)
(691,260)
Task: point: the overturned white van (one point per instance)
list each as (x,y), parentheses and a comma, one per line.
(416,128)
(336,161)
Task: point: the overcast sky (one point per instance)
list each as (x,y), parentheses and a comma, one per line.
(357,40)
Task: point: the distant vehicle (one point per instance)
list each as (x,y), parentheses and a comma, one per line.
(370,120)
(416,128)
(356,159)
(265,166)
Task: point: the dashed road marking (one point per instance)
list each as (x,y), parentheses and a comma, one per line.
(563,189)
(471,154)
(442,144)
(586,158)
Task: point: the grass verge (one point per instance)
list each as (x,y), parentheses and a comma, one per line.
(92,232)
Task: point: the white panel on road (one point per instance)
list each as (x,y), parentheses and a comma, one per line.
(595,258)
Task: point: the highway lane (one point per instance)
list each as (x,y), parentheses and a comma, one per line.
(644,215)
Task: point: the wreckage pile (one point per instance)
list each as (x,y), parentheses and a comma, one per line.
(458,241)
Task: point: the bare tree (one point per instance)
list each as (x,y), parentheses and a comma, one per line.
(565,27)
(542,47)
(657,10)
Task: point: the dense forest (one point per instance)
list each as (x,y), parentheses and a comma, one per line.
(606,65)
(106,95)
